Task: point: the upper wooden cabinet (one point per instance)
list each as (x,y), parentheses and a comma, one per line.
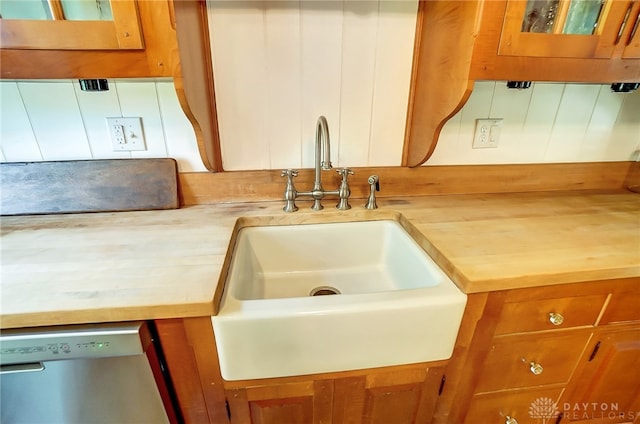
(570,28)
(70,25)
(105,39)
(558,40)
(63,39)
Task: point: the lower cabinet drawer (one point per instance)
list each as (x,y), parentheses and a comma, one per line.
(531,360)
(623,307)
(550,314)
(519,406)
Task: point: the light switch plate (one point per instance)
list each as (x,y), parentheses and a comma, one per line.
(126,134)
(487,133)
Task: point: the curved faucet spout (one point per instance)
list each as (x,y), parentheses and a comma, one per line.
(323,144)
(322,160)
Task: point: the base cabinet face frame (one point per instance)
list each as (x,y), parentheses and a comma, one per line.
(407,392)
(607,371)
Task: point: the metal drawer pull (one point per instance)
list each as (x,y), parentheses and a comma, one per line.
(536,369)
(510,420)
(555,318)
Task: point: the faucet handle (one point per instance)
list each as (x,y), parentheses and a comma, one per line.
(290,192)
(344,192)
(290,173)
(345,172)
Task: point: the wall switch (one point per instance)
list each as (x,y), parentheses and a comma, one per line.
(126,134)
(487,133)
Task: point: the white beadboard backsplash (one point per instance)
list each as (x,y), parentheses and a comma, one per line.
(55,120)
(279,65)
(549,122)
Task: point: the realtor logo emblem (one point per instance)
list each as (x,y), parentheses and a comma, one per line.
(543,408)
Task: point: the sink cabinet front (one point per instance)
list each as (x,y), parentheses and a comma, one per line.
(402,394)
(399,395)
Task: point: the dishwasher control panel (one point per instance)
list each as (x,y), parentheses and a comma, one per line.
(70,342)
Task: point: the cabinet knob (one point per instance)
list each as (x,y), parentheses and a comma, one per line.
(556,318)
(510,420)
(536,369)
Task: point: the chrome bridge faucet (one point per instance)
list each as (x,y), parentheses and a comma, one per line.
(322,162)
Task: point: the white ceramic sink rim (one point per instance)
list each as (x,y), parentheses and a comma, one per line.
(259,335)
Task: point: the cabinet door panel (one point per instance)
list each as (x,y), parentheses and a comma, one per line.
(398,404)
(403,396)
(304,402)
(291,410)
(610,377)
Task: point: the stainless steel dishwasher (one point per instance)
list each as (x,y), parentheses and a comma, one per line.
(103,373)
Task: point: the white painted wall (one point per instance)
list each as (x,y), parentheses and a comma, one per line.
(279,65)
(546,123)
(55,120)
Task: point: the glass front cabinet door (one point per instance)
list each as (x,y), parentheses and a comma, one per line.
(571,28)
(70,25)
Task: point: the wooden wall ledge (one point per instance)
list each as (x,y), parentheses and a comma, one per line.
(268,185)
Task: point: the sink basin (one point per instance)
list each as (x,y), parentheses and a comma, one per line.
(279,317)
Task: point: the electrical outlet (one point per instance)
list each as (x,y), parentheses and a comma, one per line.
(126,134)
(487,133)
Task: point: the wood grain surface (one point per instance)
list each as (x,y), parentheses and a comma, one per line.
(88,186)
(63,269)
(241,186)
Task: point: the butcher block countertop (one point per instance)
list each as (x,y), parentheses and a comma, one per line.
(98,267)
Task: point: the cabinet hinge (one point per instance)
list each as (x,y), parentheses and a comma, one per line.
(595,351)
(226,404)
(444,378)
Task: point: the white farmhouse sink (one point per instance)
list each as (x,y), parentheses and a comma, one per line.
(395,304)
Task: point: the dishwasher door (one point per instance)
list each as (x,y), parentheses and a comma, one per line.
(101,375)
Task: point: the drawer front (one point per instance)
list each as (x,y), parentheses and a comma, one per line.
(623,307)
(549,314)
(528,361)
(525,407)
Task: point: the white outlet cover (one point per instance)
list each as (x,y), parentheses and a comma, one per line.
(126,134)
(487,133)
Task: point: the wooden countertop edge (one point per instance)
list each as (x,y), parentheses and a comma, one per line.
(206,306)
(101,314)
(547,280)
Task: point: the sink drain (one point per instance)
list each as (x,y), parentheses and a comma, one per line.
(324,291)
